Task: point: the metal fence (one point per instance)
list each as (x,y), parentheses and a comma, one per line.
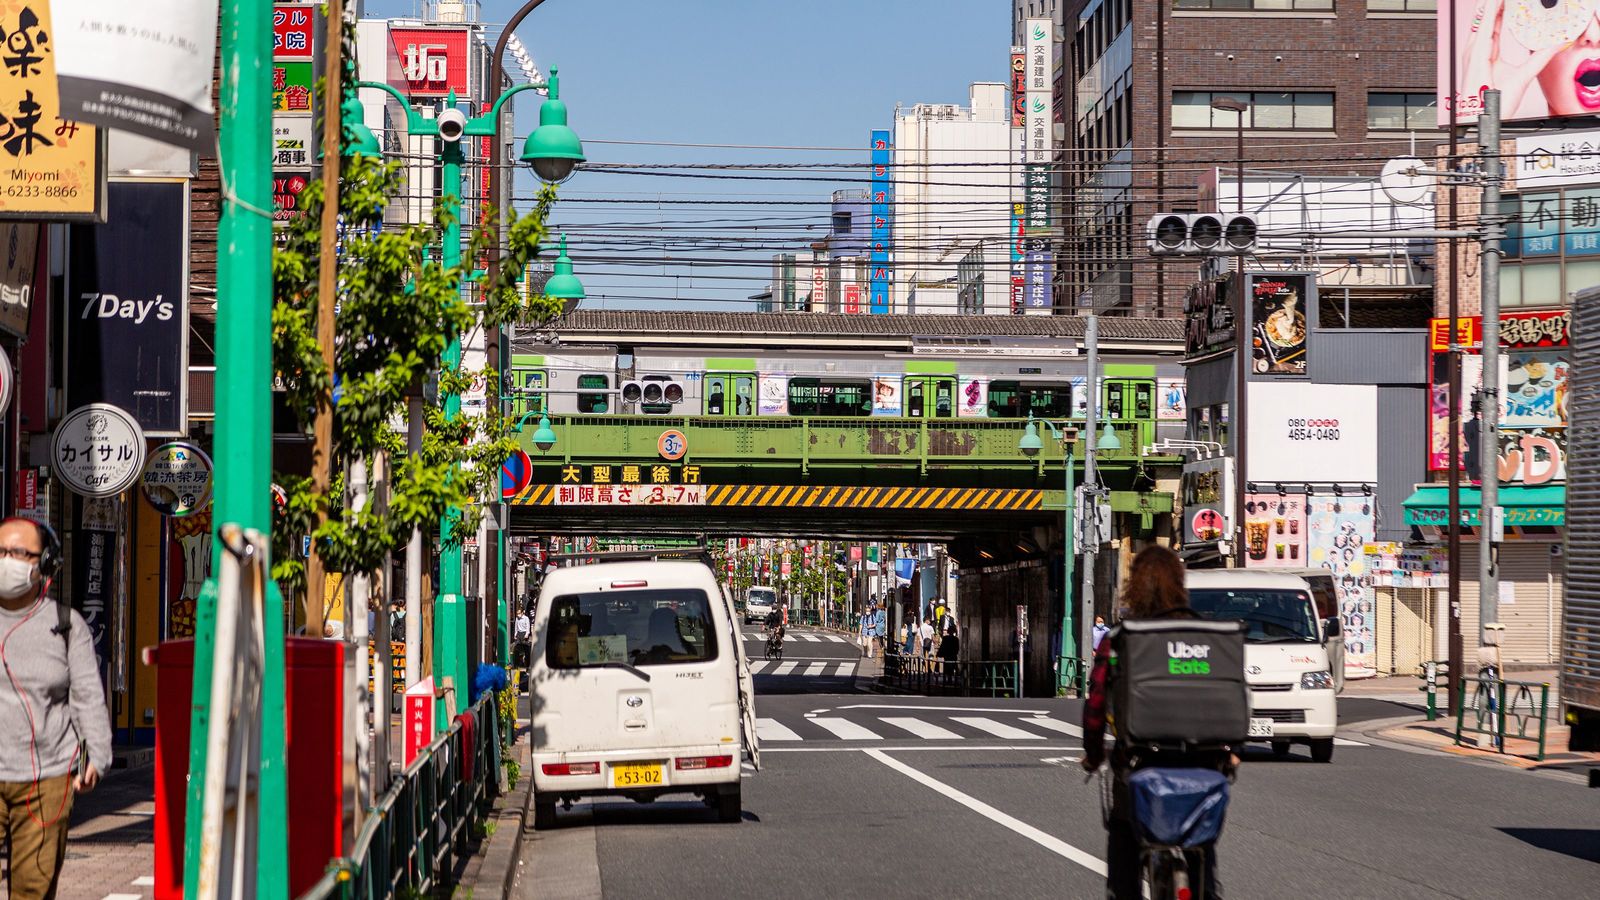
(960,677)
(414,836)
(1494,703)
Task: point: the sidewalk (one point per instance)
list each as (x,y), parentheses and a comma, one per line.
(111,841)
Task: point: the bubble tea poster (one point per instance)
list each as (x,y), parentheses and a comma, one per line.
(1338,528)
(1275,531)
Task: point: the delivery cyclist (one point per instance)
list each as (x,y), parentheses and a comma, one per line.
(1154,590)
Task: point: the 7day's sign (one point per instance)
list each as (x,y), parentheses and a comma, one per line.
(53,168)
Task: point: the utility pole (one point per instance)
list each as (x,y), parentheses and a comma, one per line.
(327,284)
(1489,397)
(1090,514)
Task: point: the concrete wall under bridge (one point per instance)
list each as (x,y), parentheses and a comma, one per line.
(988,600)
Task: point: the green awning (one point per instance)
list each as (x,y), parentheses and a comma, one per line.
(1524,506)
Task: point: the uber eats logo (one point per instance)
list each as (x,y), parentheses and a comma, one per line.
(1188,659)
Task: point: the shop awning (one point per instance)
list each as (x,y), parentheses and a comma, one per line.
(1524,506)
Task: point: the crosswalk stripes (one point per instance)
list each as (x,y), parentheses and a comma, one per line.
(1055,725)
(998,729)
(815,669)
(806,636)
(826,668)
(921,729)
(845,729)
(773,730)
(785,668)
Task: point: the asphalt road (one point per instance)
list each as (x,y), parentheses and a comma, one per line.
(863,795)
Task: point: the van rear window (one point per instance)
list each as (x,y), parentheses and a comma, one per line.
(640,628)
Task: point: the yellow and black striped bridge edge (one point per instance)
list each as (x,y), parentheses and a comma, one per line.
(840,497)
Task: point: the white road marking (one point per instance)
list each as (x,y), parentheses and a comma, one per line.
(835,639)
(773,730)
(123,897)
(998,729)
(1063,761)
(940,748)
(1055,725)
(845,669)
(757,665)
(785,668)
(808,637)
(1344,742)
(815,669)
(1047,841)
(145,881)
(920,728)
(1020,712)
(845,729)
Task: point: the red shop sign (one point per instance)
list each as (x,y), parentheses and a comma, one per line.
(1520,329)
(432,62)
(293,30)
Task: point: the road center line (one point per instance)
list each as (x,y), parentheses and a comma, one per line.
(1020,712)
(1049,842)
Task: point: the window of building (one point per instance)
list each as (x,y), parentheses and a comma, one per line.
(1394,111)
(1264,110)
(1231,5)
(841,223)
(1426,6)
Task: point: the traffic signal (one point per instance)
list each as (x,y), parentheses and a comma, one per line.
(1201,234)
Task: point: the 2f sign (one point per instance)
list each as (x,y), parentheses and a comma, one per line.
(427,63)
(110,306)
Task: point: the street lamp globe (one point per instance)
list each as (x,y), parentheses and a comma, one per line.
(553,149)
(563,285)
(1030,445)
(544,437)
(1108,440)
(359,141)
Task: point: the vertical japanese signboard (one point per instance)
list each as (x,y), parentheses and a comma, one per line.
(54,168)
(1037,154)
(127,307)
(1039,91)
(294,73)
(882,206)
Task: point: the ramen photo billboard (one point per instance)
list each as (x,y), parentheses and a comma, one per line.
(1532,51)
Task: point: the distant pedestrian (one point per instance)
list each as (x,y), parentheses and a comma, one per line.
(864,627)
(927,638)
(397,622)
(1099,631)
(949,652)
(908,638)
(58,735)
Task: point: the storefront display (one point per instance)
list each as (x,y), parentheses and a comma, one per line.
(1339,527)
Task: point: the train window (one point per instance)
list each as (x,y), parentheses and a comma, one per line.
(1114,400)
(593,403)
(914,391)
(830,397)
(716,394)
(1018,400)
(944,399)
(744,395)
(1144,400)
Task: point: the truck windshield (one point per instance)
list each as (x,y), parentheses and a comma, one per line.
(640,628)
(1270,616)
(763,598)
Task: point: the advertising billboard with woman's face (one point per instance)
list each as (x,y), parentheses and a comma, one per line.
(1542,55)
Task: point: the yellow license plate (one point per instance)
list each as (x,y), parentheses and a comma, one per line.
(636,775)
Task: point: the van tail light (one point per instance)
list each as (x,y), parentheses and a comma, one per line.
(629,584)
(588,768)
(702,762)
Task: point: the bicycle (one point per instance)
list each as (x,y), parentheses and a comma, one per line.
(1177,814)
(775,645)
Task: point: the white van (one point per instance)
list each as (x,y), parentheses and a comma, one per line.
(1294,658)
(639,687)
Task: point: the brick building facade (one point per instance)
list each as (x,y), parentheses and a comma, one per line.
(1334,87)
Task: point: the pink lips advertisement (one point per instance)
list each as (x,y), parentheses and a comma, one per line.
(1542,55)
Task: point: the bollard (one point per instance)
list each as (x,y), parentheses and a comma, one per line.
(1430,672)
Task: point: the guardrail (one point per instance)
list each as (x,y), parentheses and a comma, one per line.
(960,677)
(1070,676)
(414,835)
(1491,709)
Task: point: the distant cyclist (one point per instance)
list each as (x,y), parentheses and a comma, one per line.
(775,627)
(1154,590)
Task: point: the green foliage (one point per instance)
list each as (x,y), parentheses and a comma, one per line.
(397,309)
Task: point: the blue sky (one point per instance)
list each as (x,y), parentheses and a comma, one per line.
(821,73)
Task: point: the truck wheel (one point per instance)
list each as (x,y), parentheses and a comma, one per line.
(730,804)
(1322,750)
(1280,749)
(544,812)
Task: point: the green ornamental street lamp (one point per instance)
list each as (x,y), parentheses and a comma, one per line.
(1030,445)
(553,151)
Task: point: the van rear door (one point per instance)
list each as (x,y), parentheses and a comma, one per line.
(638,668)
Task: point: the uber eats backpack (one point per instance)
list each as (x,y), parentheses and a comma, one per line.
(1179,682)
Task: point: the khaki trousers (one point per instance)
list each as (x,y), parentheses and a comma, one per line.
(37,850)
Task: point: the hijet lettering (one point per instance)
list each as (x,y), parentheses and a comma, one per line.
(1188,659)
(110,306)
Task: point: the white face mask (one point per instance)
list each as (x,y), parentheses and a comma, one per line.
(16,577)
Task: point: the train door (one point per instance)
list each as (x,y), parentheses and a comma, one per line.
(930,396)
(526,387)
(1131,401)
(730,393)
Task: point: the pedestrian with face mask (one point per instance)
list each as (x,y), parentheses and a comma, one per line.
(52,710)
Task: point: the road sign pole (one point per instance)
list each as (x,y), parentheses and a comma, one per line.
(450,609)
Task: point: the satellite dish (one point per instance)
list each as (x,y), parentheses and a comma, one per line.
(1403,182)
